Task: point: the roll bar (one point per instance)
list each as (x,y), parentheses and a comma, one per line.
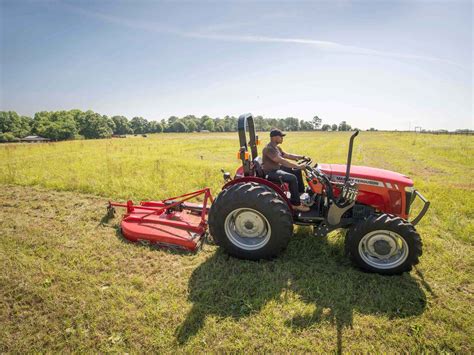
(246,122)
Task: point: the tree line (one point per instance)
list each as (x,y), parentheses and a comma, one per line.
(77,124)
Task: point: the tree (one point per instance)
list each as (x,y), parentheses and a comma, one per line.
(8,137)
(40,120)
(192,126)
(159,127)
(191,122)
(154,127)
(261,124)
(334,127)
(139,125)
(18,126)
(291,124)
(122,126)
(306,125)
(343,126)
(75,113)
(209,125)
(172,120)
(179,126)
(326,127)
(317,122)
(59,125)
(9,121)
(230,124)
(110,122)
(93,125)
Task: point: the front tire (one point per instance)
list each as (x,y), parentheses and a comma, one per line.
(250,221)
(384,244)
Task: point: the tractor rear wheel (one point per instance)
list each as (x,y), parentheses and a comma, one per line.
(384,244)
(250,221)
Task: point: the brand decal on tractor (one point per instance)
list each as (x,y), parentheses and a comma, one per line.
(339,178)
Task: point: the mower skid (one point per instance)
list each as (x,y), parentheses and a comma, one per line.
(426,205)
(172,222)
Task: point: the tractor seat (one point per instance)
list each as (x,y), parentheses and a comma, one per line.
(257,167)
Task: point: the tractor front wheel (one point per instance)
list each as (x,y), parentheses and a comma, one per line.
(250,221)
(384,244)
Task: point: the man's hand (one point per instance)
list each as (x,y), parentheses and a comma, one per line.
(301,166)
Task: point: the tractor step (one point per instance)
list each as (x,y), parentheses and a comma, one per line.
(313,215)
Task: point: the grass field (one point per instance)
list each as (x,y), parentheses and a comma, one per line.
(69,281)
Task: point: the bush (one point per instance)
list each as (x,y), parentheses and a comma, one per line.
(8,137)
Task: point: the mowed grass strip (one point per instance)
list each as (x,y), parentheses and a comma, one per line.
(68,281)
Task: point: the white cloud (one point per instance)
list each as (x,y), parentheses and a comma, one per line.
(210,34)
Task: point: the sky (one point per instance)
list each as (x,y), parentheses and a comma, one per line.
(383,64)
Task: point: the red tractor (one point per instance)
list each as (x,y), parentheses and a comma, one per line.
(252,218)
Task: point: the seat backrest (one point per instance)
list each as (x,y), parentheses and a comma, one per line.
(257,165)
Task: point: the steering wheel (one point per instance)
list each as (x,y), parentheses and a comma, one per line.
(306,160)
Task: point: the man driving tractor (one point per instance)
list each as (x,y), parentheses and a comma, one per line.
(277,168)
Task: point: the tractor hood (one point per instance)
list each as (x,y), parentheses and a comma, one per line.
(366,175)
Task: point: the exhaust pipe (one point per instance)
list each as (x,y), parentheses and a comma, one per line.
(349,156)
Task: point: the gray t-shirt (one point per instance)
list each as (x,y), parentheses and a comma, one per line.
(270,154)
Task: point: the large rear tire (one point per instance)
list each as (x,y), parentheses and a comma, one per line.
(384,244)
(250,221)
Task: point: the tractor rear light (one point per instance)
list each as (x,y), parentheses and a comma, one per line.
(246,155)
(395,201)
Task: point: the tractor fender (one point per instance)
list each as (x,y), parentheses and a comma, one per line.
(262,181)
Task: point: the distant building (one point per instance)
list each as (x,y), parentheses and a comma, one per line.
(34,139)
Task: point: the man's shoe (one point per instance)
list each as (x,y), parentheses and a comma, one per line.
(300,208)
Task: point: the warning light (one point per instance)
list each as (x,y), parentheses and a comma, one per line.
(246,155)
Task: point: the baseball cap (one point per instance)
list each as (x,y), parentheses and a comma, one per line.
(276,132)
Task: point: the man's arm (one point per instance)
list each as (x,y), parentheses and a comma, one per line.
(286,163)
(292,156)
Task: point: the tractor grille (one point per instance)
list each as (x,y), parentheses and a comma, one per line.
(409,197)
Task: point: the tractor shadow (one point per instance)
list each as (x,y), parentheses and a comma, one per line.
(313,269)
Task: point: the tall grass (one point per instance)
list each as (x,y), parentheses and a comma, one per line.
(170,164)
(69,282)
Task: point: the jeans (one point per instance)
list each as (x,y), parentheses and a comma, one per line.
(293,177)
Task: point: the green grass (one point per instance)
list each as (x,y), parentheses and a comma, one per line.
(69,282)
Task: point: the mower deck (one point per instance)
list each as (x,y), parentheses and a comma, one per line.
(162,234)
(169,223)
